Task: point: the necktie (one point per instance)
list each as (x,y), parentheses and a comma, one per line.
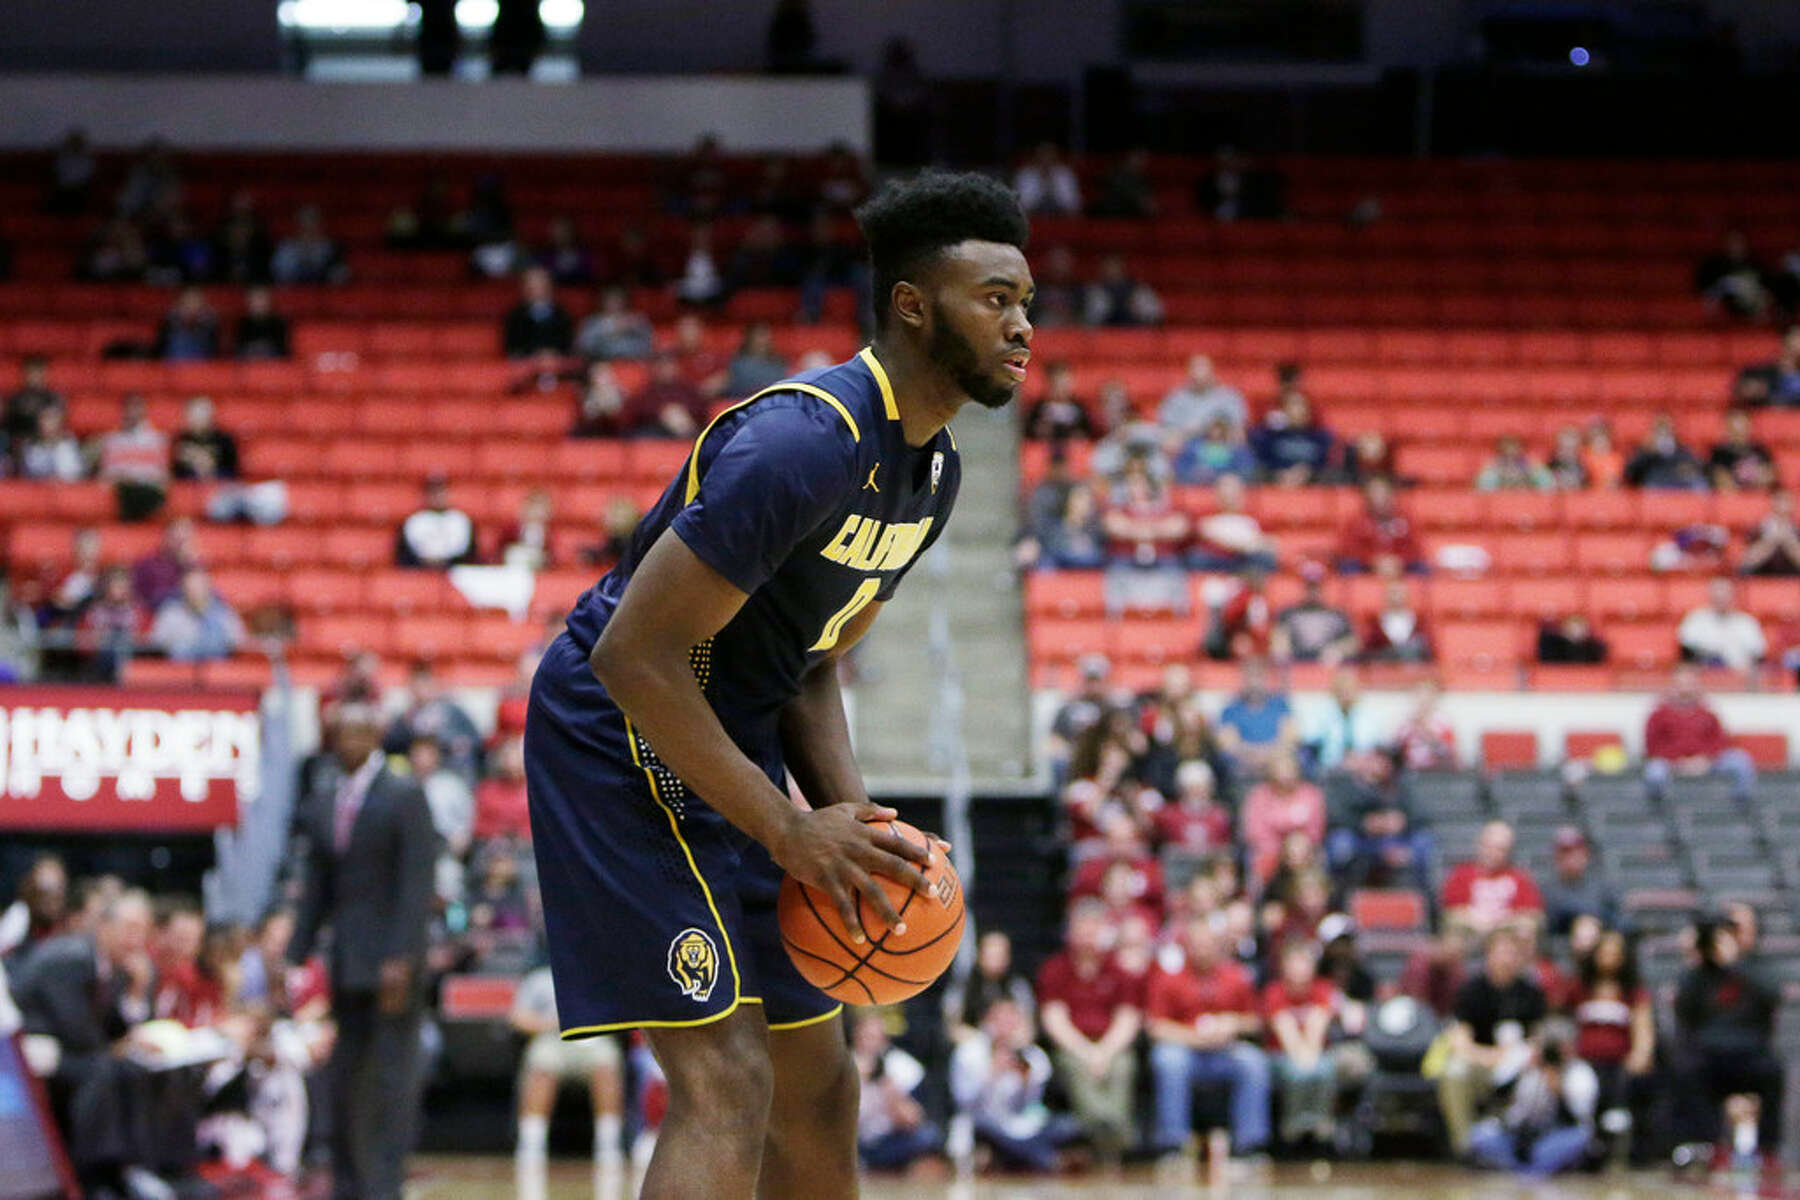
(349,802)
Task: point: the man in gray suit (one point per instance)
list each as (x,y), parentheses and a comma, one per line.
(371,850)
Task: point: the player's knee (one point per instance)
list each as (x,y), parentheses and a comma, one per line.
(825,1095)
(727,1079)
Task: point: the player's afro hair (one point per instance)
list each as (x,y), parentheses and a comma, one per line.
(910,220)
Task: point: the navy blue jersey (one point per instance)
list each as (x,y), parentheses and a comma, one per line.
(808,499)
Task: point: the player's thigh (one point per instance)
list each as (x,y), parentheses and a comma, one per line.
(815,1078)
(722,1067)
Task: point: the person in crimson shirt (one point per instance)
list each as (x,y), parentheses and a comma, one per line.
(1298,1009)
(181,991)
(1399,632)
(1193,826)
(1684,737)
(668,405)
(1435,972)
(1141,521)
(500,809)
(1281,804)
(1496,1015)
(706,370)
(1380,534)
(1615,1032)
(1491,890)
(1245,626)
(1092,1011)
(1122,847)
(1201,1006)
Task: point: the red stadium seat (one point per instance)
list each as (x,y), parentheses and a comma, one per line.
(1065,594)
(1377,909)
(1582,744)
(1509,749)
(1769,751)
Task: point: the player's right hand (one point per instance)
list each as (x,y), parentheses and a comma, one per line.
(837,851)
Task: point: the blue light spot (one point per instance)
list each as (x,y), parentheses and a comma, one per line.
(1579,56)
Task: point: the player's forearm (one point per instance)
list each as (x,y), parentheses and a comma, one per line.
(664,702)
(815,741)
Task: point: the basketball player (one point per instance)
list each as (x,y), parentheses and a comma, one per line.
(698,676)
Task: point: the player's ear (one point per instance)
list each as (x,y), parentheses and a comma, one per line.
(909,304)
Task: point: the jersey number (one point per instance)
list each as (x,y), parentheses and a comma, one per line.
(834,628)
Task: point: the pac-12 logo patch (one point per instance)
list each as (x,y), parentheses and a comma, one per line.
(694,963)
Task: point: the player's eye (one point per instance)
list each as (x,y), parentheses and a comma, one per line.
(999,299)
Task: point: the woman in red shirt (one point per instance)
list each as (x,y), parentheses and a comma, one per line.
(1615,1031)
(1298,1009)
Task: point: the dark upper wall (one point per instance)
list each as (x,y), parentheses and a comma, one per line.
(139,35)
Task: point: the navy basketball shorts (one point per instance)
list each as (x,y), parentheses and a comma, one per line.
(659,912)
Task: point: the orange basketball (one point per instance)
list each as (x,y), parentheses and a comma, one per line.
(890,966)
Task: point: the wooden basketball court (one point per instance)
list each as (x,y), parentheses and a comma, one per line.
(448,1178)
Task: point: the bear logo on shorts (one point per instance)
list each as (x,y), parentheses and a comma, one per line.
(694,963)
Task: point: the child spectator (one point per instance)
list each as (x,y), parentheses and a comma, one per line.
(1567,469)
(1298,1009)
(1615,1034)
(1601,460)
(1511,469)
(993,980)
(1426,741)
(892,1132)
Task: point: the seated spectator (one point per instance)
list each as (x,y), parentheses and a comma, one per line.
(33,395)
(1511,469)
(1685,737)
(1721,634)
(1576,889)
(1058,300)
(1219,451)
(1312,630)
(1092,1012)
(134,458)
(1257,727)
(1342,727)
(762,258)
(1298,1010)
(308,255)
(1235,190)
(261,332)
(439,534)
(180,252)
(1143,525)
(157,576)
(111,626)
(1496,1016)
(994,979)
(116,253)
(1661,461)
(1087,708)
(600,409)
(1376,842)
(1076,540)
(51,451)
(1570,640)
(1426,740)
(1435,972)
(1724,1046)
(567,260)
(1059,413)
(1615,1035)
(892,1131)
(241,245)
(757,363)
(1368,455)
(500,808)
(1547,1125)
(1200,400)
(452,812)
(1738,462)
(1127,435)
(499,937)
(1116,298)
(997,1080)
(538,322)
(1199,1015)
(203,450)
(701,280)
(1602,461)
(550,1062)
(1126,190)
(1122,845)
(198,624)
(1047,185)
(1567,469)
(699,364)
(1244,626)
(1228,538)
(615,329)
(1193,826)
(129,1131)
(40,912)
(1491,891)
(1282,803)
(526,541)
(81,582)
(1381,537)
(1775,383)
(1773,545)
(1399,632)
(1291,446)
(190,331)
(668,405)
(1732,280)
(71,176)
(431,711)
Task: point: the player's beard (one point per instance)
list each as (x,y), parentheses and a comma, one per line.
(953,355)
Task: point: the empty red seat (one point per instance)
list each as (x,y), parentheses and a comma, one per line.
(1509,749)
(1388,909)
(1480,644)
(1065,594)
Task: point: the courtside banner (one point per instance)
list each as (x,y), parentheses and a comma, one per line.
(81,758)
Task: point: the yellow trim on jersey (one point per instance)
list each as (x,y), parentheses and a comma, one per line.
(778,1026)
(570,1035)
(867,354)
(737,983)
(693,464)
(951,434)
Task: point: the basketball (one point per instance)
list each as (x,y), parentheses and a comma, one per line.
(890,966)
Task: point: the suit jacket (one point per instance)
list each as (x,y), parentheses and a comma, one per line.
(60,994)
(376,895)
